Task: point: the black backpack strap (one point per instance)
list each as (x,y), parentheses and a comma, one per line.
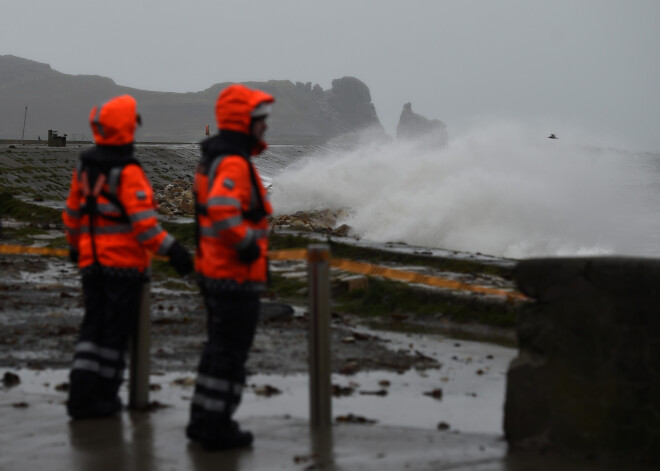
(115,201)
(113,178)
(207,166)
(112,174)
(258,213)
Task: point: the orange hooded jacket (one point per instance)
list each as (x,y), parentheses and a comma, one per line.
(110,215)
(231,199)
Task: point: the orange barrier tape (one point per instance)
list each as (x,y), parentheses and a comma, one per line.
(288,254)
(21,249)
(394,274)
(413,277)
(347,265)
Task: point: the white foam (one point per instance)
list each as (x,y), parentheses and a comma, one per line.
(501,189)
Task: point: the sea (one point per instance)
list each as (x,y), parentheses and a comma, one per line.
(498,190)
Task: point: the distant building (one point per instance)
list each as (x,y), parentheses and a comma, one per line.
(54,140)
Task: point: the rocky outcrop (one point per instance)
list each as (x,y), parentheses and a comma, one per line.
(351,99)
(319,221)
(304,113)
(175,199)
(587,377)
(414,126)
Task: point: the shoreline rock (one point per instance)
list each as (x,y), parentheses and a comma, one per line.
(324,221)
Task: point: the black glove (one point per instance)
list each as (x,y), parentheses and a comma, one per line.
(250,253)
(180,259)
(73,256)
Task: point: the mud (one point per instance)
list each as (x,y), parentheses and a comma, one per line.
(41,310)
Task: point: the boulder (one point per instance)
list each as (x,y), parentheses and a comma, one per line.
(353,282)
(342,231)
(175,198)
(321,221)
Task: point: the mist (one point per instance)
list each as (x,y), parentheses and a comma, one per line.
(501,189)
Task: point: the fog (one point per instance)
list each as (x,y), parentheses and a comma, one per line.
(591,64)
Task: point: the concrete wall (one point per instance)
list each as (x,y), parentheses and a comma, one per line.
(587,377)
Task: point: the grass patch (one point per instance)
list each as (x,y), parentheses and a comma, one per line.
(177,285)
(288,241)
(384,297)
(287,287)
(58,243)
(162,269)
(183,232)
(23,233)
(21,211)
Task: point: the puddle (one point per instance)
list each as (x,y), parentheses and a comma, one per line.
(58,272)
(472,380)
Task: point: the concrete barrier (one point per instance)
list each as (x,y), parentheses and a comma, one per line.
(587,377)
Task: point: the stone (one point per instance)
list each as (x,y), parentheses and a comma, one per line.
(342,231)
(301,226)
(354,282)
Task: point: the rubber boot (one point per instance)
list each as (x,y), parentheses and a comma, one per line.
(228,437)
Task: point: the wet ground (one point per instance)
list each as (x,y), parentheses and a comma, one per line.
(41,309)
(375,371)
(430,389)
(400,401)
(368,433)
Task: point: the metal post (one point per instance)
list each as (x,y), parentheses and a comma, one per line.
(138,397)
(24,119)
(318,258)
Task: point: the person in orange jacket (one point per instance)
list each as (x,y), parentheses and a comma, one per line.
(112,230)
(231,206)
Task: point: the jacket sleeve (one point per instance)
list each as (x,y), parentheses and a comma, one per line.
(137,196)
(229,194)
(71,215)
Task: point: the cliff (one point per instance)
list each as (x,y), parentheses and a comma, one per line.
(303,113)
(414,126)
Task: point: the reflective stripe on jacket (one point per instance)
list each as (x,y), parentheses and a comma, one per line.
(226,194)
(126,243)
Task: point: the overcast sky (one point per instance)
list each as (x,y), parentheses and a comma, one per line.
(563,65)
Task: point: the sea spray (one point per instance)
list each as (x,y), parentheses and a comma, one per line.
(502,189)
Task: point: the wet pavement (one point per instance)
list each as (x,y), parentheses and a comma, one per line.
(439,419)
(42,438)
(36,434)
